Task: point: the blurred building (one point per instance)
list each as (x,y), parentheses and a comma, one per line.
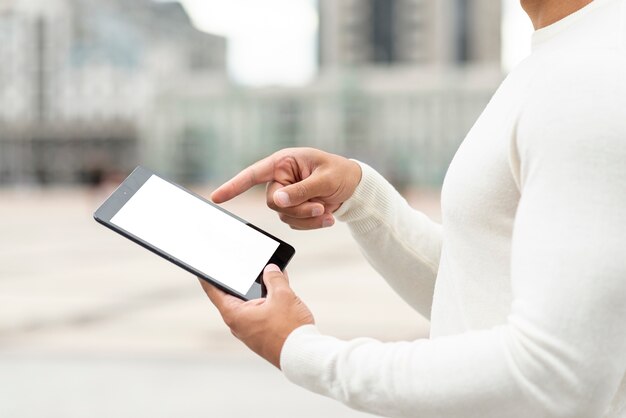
(94,85)
(410,134)
(358,33)
(78,77)
(400,84)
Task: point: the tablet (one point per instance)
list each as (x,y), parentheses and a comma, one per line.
(193,233)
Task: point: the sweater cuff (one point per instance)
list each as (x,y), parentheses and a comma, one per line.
(304,356)
(370,204)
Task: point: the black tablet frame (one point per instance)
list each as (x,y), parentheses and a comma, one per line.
(134,182)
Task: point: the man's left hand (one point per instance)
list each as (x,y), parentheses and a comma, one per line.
(263,324)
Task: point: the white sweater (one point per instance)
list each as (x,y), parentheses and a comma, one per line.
(525,281)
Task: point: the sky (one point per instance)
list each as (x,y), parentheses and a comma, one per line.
(273,42)
(269,41)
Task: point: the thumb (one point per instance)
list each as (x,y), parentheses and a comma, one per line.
(274,279)
(300,192)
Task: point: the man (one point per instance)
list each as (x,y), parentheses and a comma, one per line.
(524,281)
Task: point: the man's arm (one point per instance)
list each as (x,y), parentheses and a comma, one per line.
(309,188)
(401,243)
(562,351)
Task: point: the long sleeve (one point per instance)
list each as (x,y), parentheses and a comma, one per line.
(401,243)
(561,352)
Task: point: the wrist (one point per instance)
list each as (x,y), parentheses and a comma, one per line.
(353,179)
(274,349)
(356,176)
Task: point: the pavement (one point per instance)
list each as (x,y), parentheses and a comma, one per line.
(92,325)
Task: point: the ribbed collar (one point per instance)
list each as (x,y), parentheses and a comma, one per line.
(543,35)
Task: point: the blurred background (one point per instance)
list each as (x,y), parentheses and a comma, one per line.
(93,326)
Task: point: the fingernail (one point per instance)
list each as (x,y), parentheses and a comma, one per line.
(271,267)
(328,221)
(281,198)
(317,211)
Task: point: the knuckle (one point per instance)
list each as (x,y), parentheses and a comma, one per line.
(297,212)
(284,162)
(283,292)
(252,175)
(302,211)
(232,188)
(230,320)
(301,191)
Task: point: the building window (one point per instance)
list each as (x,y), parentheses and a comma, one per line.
(462,34)
(382,31)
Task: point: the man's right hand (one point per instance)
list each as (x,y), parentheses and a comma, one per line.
(305,185)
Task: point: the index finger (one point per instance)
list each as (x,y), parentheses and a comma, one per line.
(258,173)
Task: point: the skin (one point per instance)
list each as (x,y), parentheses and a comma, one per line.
(546,12)
(263,324)
(305,186)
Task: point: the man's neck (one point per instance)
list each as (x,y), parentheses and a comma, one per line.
(546,12)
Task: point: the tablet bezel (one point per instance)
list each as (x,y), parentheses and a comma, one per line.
(134,182)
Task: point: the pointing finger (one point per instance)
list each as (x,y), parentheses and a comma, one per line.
(260,172)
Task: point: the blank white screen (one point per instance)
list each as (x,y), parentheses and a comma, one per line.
(196,233)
